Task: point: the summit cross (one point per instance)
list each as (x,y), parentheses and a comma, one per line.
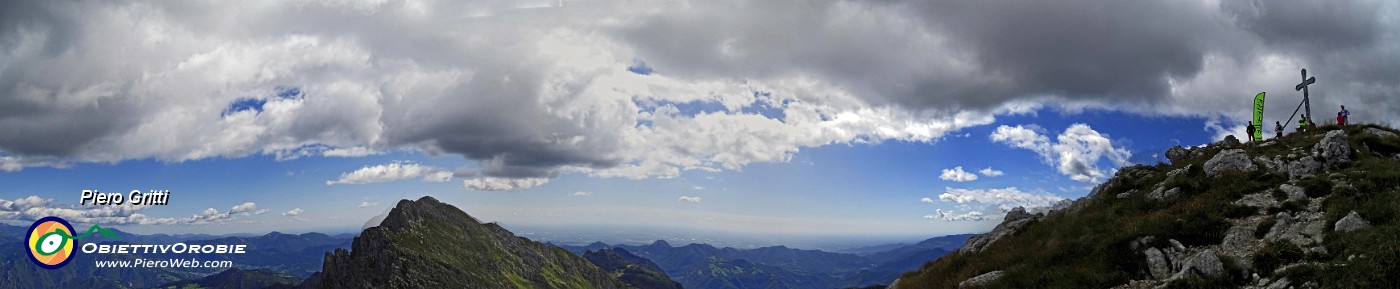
(1304,87)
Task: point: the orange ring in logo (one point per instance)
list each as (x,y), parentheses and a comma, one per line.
(47,249)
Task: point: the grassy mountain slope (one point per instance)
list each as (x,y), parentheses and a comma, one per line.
(428,244)
(1271,218)
(631,269)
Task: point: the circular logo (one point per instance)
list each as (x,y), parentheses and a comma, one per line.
(50,242)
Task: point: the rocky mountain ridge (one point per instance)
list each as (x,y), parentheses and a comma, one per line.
(428,244)
(1310,210)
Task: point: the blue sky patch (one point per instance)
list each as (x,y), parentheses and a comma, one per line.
(640,67)
(291,92)
(256,103)
(242,104)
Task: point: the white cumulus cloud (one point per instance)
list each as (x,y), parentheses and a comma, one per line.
(689,199)
(957,174)
(991,172)
(1075,153)
(247,209)
(34,207)
(1025,137)
(994,203)
(22,204)
(580,194)
(293,212)
(949,216)
(1004,198)
(394,171)
(503,184)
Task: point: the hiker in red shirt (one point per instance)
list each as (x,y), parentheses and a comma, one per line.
(1342,116)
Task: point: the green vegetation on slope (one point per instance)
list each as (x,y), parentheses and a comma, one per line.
(1090,245)
(428,244)
(631,269)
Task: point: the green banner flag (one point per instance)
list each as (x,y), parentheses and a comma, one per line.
(1259,116)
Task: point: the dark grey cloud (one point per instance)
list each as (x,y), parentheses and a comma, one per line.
(1311,25)
(527,91)
(1078,49)
(941,54)
(980,54)
(39,115)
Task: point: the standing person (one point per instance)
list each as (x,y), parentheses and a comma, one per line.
(1343,115)
(1278,130)
(1249,130)
(1302,122)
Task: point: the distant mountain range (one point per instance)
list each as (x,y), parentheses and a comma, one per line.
(428,244)
(297,256)
(631,269)
(701,266)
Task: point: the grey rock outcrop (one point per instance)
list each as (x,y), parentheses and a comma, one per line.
(1351,222)
(1238,239)
(1293,192)
(1380,133)
(1304,229)
(980,280)
(1205,263)
(1333,148)
(1119,179)
(1173,174)
(1258,200)
(1273,165)
(1177,154)
(1013,221)
(1016,214)
(1157,264)
(1303,167)
(1282,283)
(1228,160)
(1161,194)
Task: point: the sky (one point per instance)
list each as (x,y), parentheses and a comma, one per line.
(814,119)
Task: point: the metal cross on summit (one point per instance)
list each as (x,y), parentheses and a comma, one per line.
(1304,87)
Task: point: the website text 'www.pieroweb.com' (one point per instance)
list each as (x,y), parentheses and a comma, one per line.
(176,262)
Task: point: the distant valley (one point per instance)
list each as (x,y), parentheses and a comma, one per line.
(704,266)
(315,260)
